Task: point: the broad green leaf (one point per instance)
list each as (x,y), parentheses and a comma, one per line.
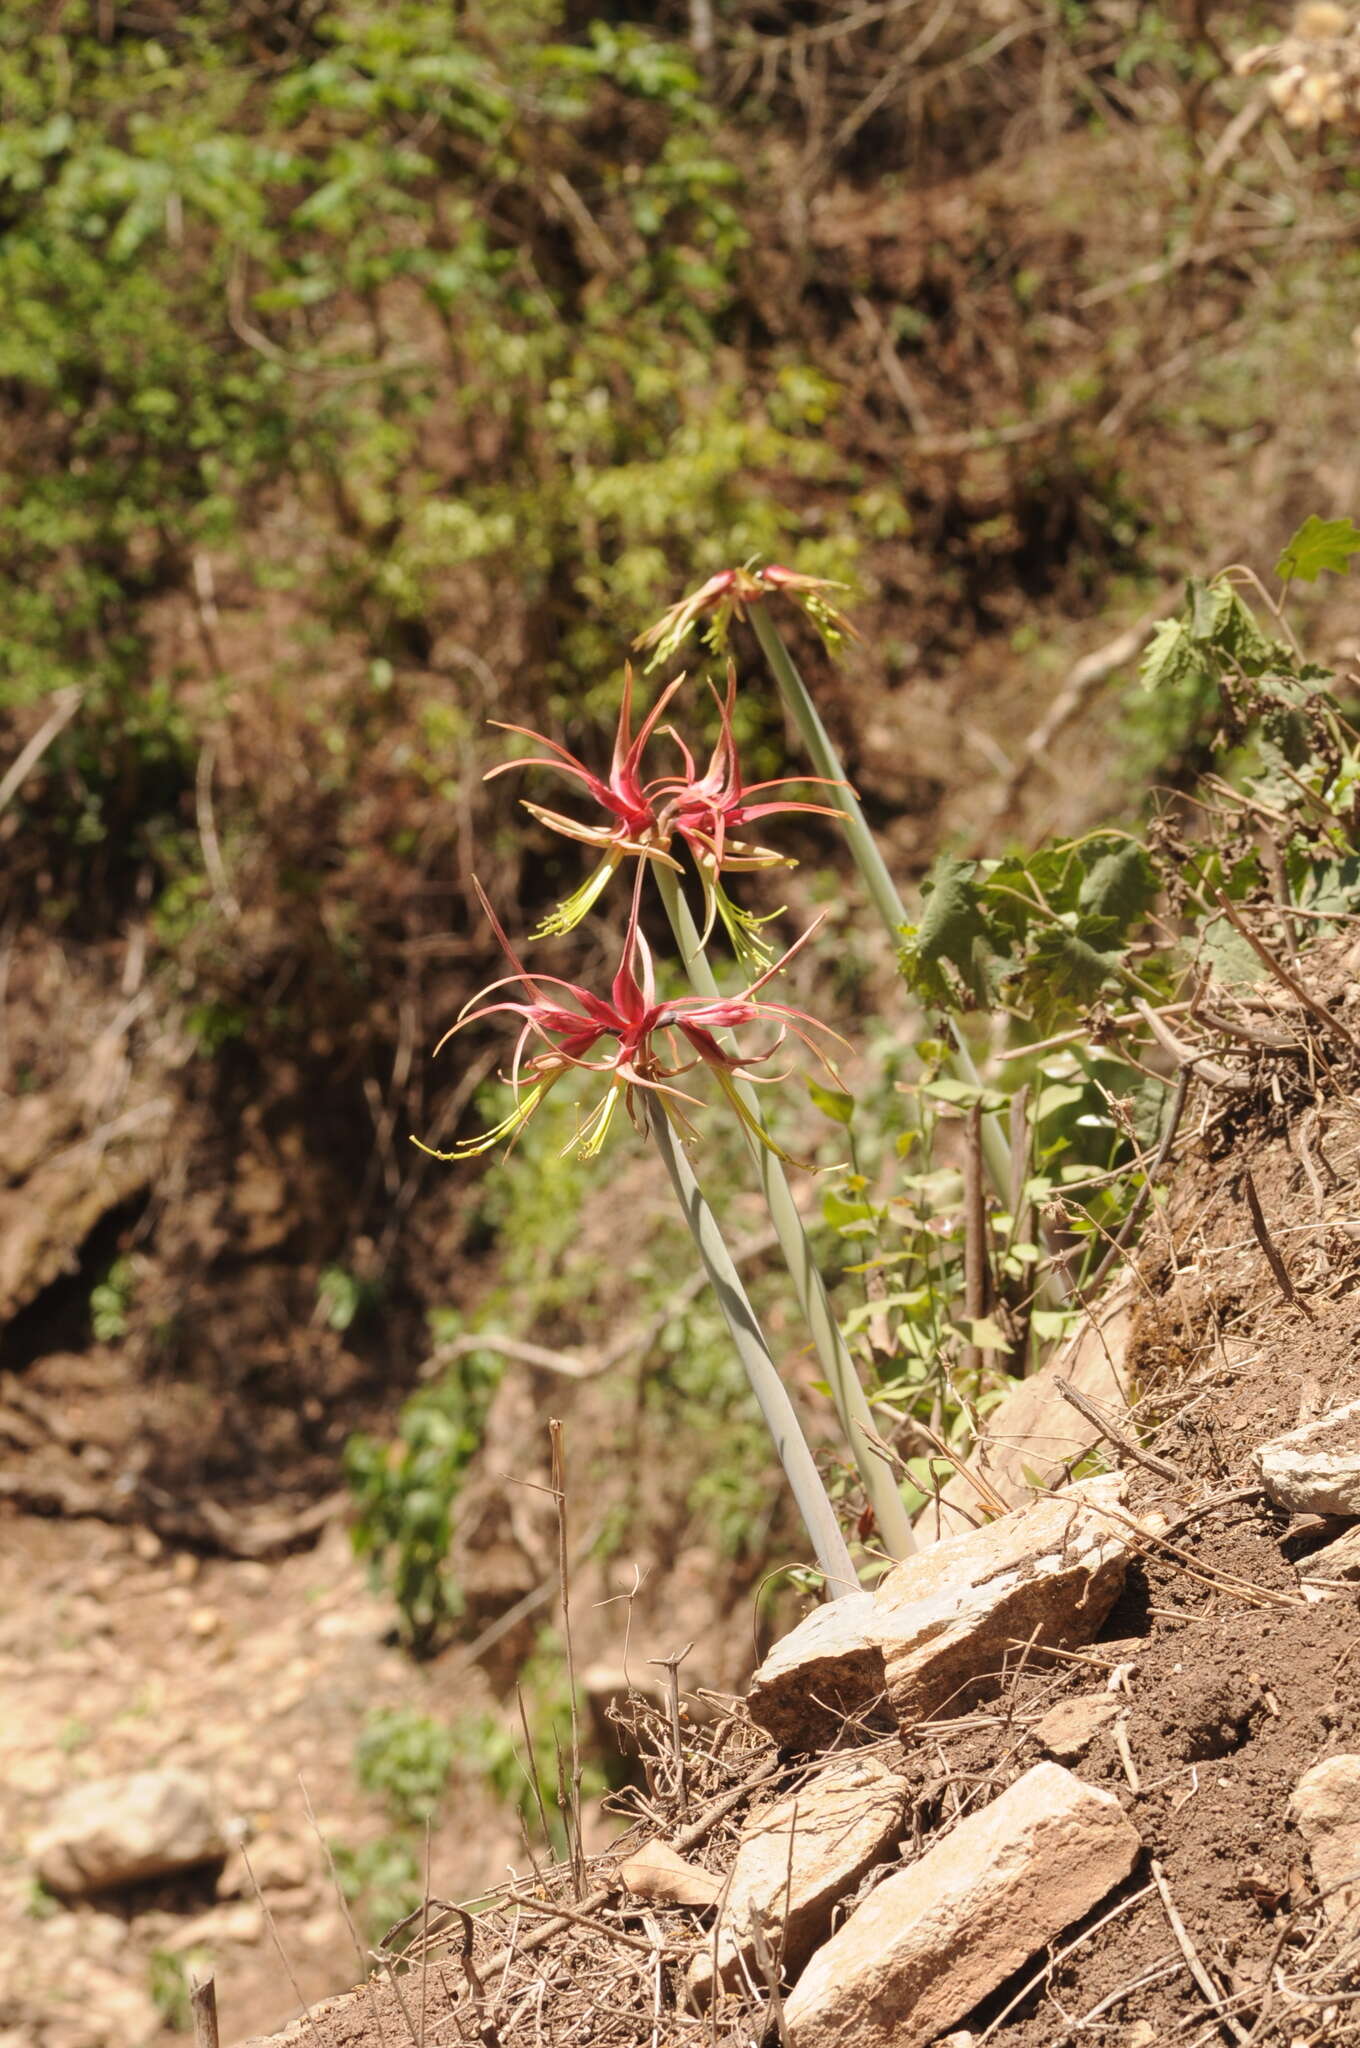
(984,1332)
(1121,885)
(1227,955)
(1050,1323)
(832,1102)
(1170,656)
(952,930)
(1319,544)
(964,1093)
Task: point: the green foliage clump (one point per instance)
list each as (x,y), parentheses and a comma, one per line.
(404,1494)
(404,1758)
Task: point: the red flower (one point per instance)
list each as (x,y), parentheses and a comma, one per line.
(631,1039)
(707,812)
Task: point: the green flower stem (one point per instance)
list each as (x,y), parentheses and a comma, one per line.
(852,1409)
(873,870)
(800,1468)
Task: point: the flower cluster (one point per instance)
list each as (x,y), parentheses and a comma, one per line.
(634,1042)
(707,813)
(729,595)
(638,1046)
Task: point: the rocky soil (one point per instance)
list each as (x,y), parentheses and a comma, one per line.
(1087,1771)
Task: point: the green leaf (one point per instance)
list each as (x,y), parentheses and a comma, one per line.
(983,1332)
(1065,967)
(1319,544)
(832,1102)
(1170,657)
(964,1093)
(952,931)
(1228,956)
(1121,886)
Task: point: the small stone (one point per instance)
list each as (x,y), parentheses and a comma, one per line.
(204,1621)
(796,1861)
(1316,1470)
(185,1567)
(147,1545)
(1325,1808)
(661,1874)
(1068,1730)
(116,1831)
(933,1939)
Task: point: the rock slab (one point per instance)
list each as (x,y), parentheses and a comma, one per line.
(796,1861)
(116,1831)
(1315,1470)
(932,1940)
(1335,1564)
(943,1624)
(1325,1808)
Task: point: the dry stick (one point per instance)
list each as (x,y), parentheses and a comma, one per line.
(65,704)
(272,1925)
(688,1838)
(203,2005)
(531,1773)
(1144,1195)
(800,1467)
(1263,1238)
(1156,1973)
(1283,976)
(1124,1444)
(583,1919)
(852,1409)
(1234,2029)
(559,1488)
(671,1666)
(485,2025)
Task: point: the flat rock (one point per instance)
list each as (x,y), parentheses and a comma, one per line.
(941,1625)
(1325,1808)
(1068,1730)
(1315,1470)
(1335,1564)
(932,1940)
(956,1614)
(796,1861)
(116,1831)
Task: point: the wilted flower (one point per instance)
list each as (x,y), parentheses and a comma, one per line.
(706,812)
(630,1039)
(728,594)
